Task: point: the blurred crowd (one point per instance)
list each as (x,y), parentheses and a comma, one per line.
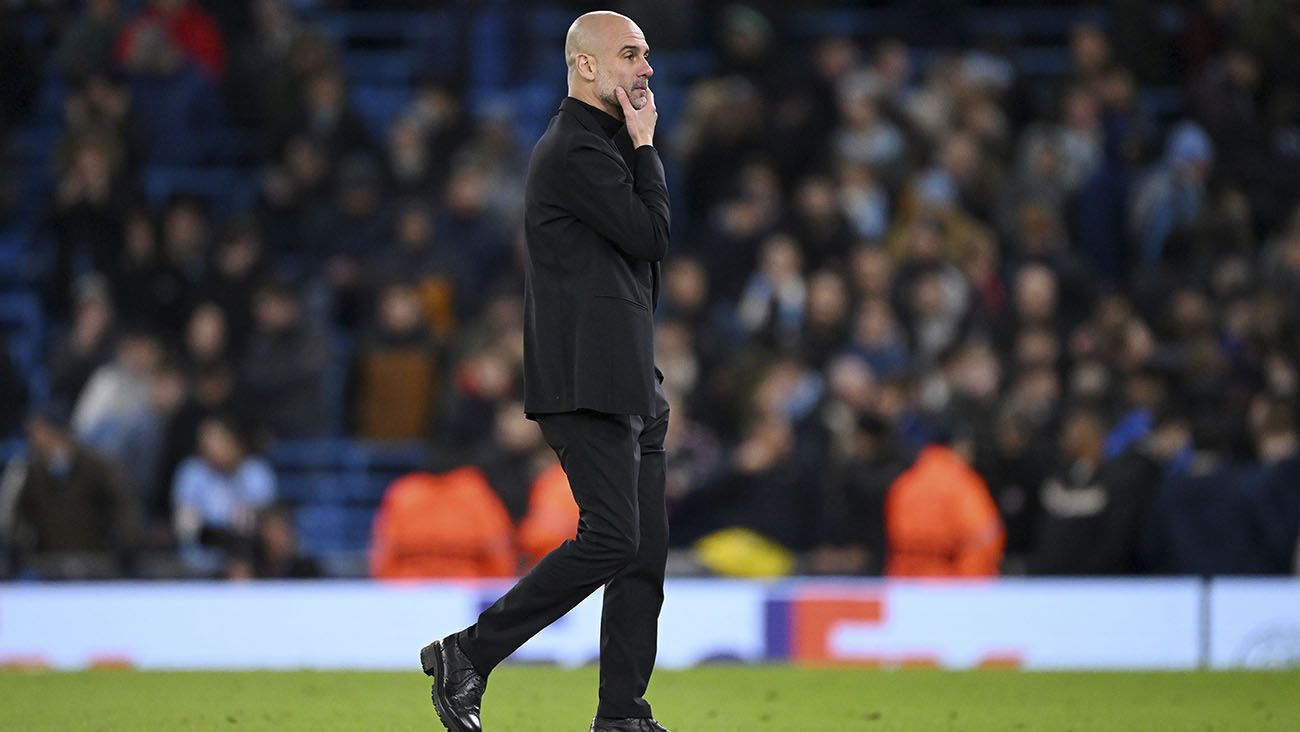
(920,315)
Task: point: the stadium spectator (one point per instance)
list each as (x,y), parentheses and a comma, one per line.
(262,66)
(1093,508)
(447,525)
(418,253)
(89,343)
(693,454)
(482,379)
(87,213)
(438,112)
(174,104)
(21,73)
(758,490)
(284,365)
(512,459)
(238,265)
(118,393)
(211,394)
(216,495)
(293,192)
(148,289)
(182,23)
(1015,463)
(771,308)
(342,234)
(864,468)
(552,516)
(1170,199)
(13,393)
(467,221)
(327,118)
(207,340)
(940,520)
(87,45)
(397,370)
(70,501)
(1277,445)
(410,169)
(273,551)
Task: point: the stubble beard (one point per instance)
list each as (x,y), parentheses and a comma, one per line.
(610,98)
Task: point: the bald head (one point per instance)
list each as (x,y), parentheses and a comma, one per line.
(604,50)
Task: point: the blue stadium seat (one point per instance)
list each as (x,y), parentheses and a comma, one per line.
(1165,103)
(49,102)
(385,67)
(847,22)
(683,65)
(546,24)
(13,256)
(380,106)
(10,449)
(34,28)
(20,313)
(1042,21)
(344,454)
(33,143)
(383,26)
(225,189)
(1042,60)
(325,528)
(23,322)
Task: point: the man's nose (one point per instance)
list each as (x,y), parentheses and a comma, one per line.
(648,71)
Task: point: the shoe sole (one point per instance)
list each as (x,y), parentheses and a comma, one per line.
(431,663)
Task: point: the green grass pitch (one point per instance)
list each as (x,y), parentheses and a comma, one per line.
(711,699)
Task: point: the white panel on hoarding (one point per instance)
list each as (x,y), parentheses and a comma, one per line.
(361,625)
(200,625)
(1255,623)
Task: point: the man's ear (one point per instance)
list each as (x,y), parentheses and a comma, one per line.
(586,69)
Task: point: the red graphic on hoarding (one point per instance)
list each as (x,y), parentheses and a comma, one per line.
(812,621)
(815,618)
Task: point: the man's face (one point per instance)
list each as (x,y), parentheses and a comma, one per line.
(622,60)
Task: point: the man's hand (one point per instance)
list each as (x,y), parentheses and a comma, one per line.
(640,122)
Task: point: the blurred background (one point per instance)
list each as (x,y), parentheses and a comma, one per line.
(955,289)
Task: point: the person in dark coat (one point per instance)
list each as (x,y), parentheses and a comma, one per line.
(1093,509)
(284,365)
(596,227)
(70,499)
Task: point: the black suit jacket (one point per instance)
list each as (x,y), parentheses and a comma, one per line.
(596,225)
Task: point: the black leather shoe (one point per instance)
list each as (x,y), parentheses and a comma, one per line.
(628,724)
(457,687)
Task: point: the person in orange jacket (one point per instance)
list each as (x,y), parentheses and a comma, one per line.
(940,519)
(446,525)
(552,516)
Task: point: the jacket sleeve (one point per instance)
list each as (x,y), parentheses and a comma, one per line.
(633,214)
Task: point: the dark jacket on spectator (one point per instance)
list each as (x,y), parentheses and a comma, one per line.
(1091,519)
(1202,522)
(284,373)
(1278,515)
(85,510)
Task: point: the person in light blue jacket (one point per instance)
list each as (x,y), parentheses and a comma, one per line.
(216,496)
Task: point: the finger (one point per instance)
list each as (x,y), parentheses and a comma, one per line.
(621,95)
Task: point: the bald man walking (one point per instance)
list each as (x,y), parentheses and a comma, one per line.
(596,224)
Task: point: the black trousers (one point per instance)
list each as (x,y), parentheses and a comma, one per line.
(615,465)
